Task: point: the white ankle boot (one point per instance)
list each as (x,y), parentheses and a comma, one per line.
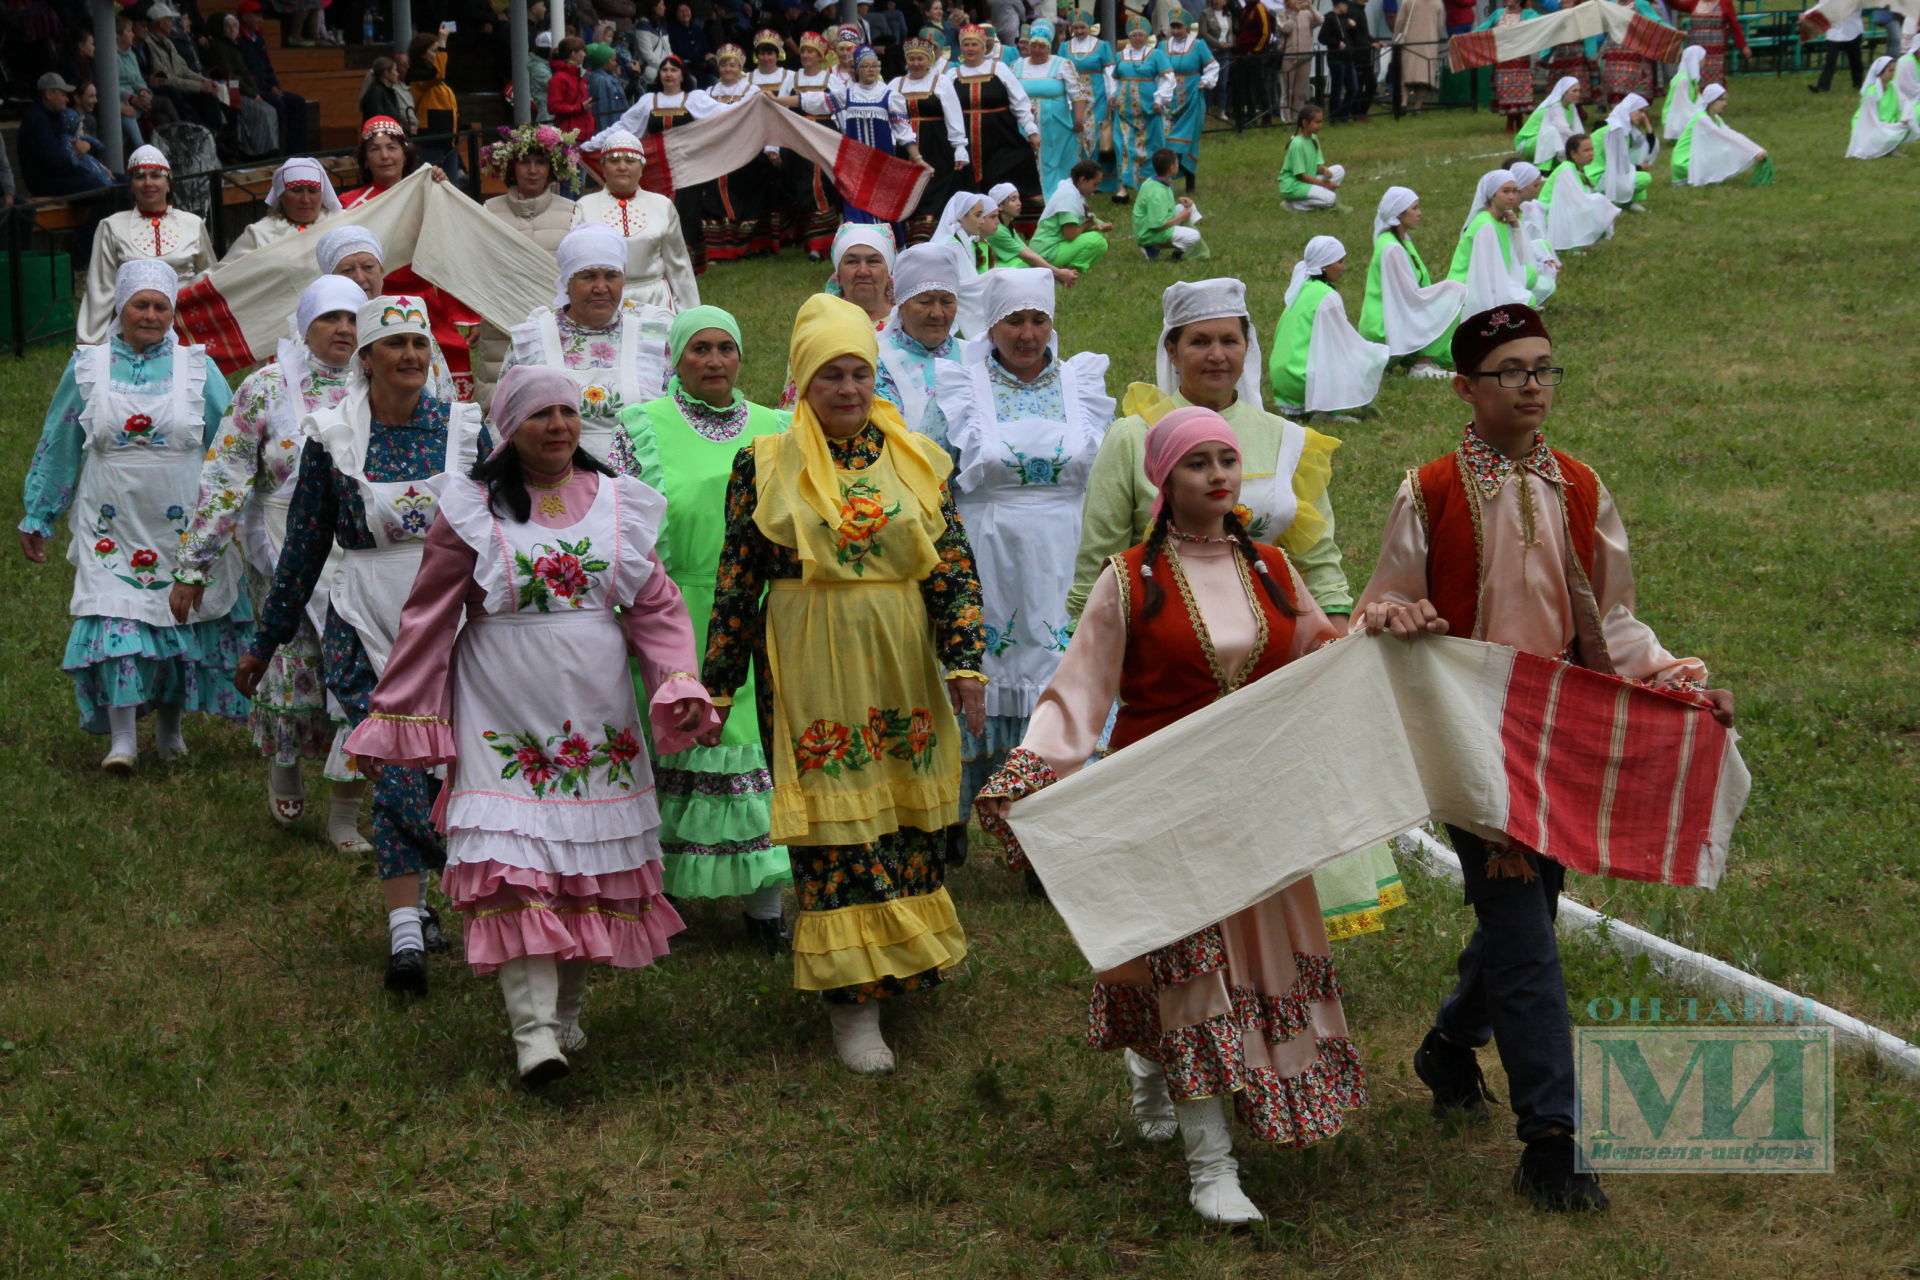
(1152,1108)
(573,990)
(531,986)
(856,1034)
(1216,1194)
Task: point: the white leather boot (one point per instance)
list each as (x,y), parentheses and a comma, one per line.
(531,986)
(1152,1108)
(1216,1194)
(573,991)
(856,1034)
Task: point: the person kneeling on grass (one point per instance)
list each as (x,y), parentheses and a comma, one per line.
(1320,363)
(1161,218)
(1007,247)
(1307,181)
(1510,541)
(1068,236)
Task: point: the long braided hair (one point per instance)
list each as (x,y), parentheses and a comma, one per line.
(1152,595)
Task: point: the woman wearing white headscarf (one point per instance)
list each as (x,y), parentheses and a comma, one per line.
(301,195)
(1577,215)
(154,228)
(246,494)
(659,267)
(1683,93)
(615,348)
(1531,246)
(862,257)
(1710,152)
(119,455)
(370,477)
(1487,261)
(1320,363)
(1544,135)
(1023,427)
(553,847)
(919,336)
(356,253)
(1878,126)
(1906,81)
(1405,307)
(962,232)
(1625,148)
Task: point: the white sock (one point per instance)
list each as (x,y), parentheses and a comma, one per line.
(284,781)
(166,727)
(856,1034)
(121,740)
(763,904)
(403,926)
(343,813)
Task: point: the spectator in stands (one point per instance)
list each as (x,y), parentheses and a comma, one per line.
(137,102)
(49,156)
(539,73)
(649,44)
(603,87)
(173,72)
(426,75)
(76,61)
(1216,28)
(291,107)
(567,96)
(382,94)
(257,124)
(689,41)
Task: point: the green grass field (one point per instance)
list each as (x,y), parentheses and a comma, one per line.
(200,1077)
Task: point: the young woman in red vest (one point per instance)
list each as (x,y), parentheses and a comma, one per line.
(1250,1007)
(1508,540)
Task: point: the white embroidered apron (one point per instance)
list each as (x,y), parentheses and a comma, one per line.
(137,492)
(1268,495)
(910,378)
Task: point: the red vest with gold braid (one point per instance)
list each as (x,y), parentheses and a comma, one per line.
(1449,508)
(1171,670)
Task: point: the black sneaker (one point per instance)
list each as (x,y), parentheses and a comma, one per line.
(407,972)
(1548,1174)
(771,934)
(430,930)
(1453,1073)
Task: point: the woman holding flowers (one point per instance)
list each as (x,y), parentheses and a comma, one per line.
(846,575)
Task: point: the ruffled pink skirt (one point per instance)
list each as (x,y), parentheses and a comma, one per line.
(619,918)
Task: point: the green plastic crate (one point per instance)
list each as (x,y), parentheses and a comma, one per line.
(46,279)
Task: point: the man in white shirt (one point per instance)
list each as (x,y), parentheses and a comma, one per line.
(1842,36)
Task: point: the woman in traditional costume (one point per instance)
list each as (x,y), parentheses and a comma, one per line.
(1622,71)
(1544,136)
(814,204)
(616,350)
(1486,260)
(1093,58)
(733,218)
(1060,101)
(672,103)
(1195,72)
(1320,363)
(862,259)
(933,112)
(1249,1007)
(1624,149)
(530,159)
(1576,214)
(1142,93)
(1003,140)
(1531,246)
(1023,427)
(119,456)
(246,494)
(1405,308)
(1683,93)
(370,476)
(1709,24)
(871,111)
(356,254)
(919,335)
(966,225)
(1008,247)
(1710,151)
(302,194)
(553,852)
(659,264)
(1307,182)
(154,229)
(1512,77)
(714,800)
(846,574)
(1878,127)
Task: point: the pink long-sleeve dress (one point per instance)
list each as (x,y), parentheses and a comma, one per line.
(549,807)
(1250,1006)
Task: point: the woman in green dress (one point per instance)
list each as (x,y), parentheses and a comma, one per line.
(714,801)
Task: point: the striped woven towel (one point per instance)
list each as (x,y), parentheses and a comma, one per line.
(1635,32)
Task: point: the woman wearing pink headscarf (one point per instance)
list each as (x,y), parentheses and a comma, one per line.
(553,851)
(1249,1007)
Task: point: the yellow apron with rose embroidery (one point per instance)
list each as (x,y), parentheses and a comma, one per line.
(864,740)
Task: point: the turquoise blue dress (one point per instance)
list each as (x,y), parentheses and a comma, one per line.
(1189,115)
(1052,98)
(1138,130)
(133,656)
(1092,66)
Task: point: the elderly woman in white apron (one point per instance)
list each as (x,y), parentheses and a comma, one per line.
(919,336)
(246,492)
(615,348)
(120,457)
(356,253)
(552,822)
(1023,427)
(370,477)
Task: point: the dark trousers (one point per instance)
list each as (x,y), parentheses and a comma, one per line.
(1854,69)
(1511,990)
(293,122)
(196,108)
(1341,87)
(1366,87)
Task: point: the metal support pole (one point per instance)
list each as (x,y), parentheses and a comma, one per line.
(402,24)
(517,47)
(849,15)
(1109,32)
(106,77)
(557,16)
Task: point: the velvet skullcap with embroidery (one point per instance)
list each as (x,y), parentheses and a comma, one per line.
(393,315)
(1478,335)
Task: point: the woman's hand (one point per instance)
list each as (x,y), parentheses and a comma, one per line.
(1406,621)
(711,738)
(183,600)
(1067,276)
(439,174)
(969,702)
(246,676)
(34,547)
(1722,700)
(993,807)
(686,714)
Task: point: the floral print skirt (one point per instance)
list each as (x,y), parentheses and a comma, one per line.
(123,662)
(875,919)
(1247,1008)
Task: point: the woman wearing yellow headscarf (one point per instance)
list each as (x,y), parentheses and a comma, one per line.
(868,641)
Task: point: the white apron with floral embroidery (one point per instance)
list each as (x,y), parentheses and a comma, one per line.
(1020,486)
(137,492)
(264,526)
(372,584)
(638,373)
(551,768)
(1268,495)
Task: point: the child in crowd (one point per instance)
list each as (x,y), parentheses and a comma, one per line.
(1161,218)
